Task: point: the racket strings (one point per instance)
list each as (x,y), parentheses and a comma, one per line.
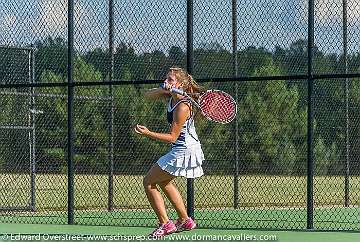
(218,106)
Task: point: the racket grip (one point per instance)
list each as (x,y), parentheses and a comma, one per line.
(178,91)
(174,90)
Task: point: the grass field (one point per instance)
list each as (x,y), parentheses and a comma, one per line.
(264,201)
(91,191)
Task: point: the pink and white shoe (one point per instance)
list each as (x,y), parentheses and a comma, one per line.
(164,229)
(189,224)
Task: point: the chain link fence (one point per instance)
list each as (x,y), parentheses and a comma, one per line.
(258,171)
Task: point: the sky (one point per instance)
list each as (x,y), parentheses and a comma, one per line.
(150,25)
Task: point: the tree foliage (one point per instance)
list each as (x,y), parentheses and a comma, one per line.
(272,115)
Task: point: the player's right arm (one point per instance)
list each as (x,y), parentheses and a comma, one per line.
(157,93)
(160,92)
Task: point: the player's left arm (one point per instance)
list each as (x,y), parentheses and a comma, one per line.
(181,113)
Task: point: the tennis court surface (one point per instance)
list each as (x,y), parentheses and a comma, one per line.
(37,232)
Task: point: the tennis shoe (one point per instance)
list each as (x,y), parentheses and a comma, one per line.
(163,230)
(189,224)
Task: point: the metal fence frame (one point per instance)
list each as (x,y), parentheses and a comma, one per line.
(310,78)
(30,126)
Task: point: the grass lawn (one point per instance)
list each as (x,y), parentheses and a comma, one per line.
(264,201)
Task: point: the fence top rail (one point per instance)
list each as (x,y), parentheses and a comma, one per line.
(200,80)
(17,47)
(63,96)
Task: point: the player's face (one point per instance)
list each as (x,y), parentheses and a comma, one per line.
(171,79)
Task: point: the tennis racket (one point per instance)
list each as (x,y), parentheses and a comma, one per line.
(215,105)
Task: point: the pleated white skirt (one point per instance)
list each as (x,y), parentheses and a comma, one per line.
(183,161)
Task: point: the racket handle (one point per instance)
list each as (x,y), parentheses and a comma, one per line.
(178,91)
(174,90)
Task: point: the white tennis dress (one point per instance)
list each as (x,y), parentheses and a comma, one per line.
(186,156)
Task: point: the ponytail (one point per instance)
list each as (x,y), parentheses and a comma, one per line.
(190,85)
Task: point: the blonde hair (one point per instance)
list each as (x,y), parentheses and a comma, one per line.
(190,85)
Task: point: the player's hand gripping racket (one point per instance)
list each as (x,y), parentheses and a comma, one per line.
(215,105)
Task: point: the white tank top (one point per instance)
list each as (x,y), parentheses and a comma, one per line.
(188,136)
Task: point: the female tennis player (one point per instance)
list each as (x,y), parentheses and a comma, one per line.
(185,157)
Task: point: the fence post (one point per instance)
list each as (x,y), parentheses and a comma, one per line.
(235,74)
(70,110)
(190,67)
(33,126)
(111,108)
(345,53)
(310,120)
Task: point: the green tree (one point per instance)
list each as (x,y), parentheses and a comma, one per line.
(51,55)
(51,125)
(125,61)
(272,125)
(325,158)
(99,58)
(212,60)
(177,57)
(253,58)
(136,152)
(13,141)
(354,120)
(90,124)
(91,107)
